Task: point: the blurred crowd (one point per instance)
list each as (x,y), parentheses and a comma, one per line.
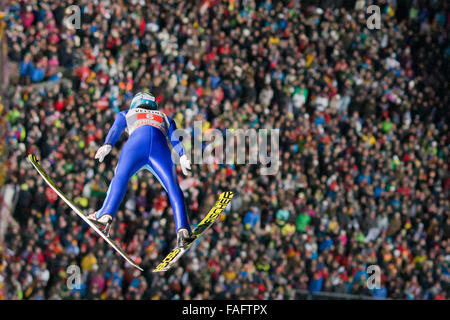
(364,145)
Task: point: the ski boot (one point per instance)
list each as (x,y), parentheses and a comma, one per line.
(184,238)
(103,222)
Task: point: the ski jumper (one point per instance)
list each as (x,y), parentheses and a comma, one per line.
(146,148)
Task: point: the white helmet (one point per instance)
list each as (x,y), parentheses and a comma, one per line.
(145,100)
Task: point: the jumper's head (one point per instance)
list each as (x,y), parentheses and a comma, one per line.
(145,100)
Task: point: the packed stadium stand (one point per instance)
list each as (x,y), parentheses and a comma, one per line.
(364,147)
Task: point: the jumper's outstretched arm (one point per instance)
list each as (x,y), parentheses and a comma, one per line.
(174,139)
(120,123)
(185,163)
(113,136)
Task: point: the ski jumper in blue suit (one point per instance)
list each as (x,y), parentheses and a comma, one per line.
(146,148)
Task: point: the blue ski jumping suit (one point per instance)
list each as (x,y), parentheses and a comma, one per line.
(146,148)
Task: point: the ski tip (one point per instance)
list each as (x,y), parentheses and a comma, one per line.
(31,157)
(227,194)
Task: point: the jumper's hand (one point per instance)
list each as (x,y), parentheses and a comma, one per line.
(102,152)
(185,164)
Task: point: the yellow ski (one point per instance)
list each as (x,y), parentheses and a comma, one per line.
(205,224)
